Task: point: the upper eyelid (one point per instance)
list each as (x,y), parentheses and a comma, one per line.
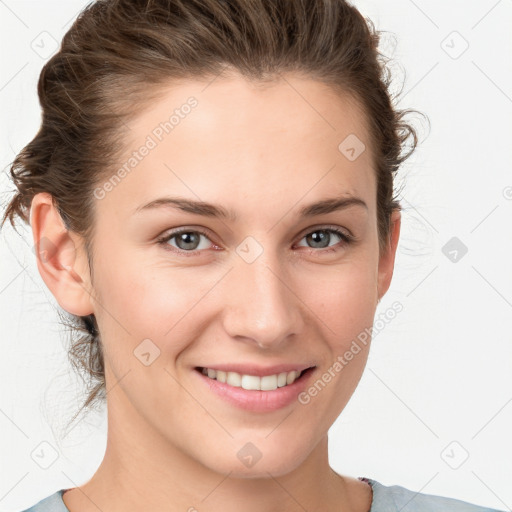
(327,227)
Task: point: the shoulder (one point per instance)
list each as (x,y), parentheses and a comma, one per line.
(396,498)
(53,503)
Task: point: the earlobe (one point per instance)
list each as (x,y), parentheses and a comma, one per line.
(387,258)
(60,260)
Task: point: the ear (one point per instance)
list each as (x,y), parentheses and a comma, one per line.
(61,257)
(387,256)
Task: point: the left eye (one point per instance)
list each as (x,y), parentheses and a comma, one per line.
(190,241)
(320,238)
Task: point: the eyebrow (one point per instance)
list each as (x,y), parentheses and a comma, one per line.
(211,210)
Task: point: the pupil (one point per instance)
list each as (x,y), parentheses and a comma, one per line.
(184,240)
(319,239)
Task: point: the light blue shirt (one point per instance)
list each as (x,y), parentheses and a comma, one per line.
(392,498)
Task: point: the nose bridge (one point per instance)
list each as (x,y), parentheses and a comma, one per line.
(262,306)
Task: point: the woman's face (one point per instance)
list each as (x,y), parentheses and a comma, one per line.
(257,283)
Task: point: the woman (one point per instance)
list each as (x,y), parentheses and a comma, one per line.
(211,198)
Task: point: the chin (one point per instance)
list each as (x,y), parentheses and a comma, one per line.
(259,459)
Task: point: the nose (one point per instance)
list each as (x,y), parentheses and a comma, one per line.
(261,305)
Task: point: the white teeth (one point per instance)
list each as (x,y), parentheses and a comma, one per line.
(269,382)
(253,382)
(250,382)
(291,377)
(233,379)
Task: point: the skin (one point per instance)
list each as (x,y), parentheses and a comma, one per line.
(172,445)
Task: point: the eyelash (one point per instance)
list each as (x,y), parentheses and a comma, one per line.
(345,240)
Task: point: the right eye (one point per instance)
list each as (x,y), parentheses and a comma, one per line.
(187,241)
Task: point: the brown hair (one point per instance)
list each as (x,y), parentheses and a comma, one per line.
(118,51)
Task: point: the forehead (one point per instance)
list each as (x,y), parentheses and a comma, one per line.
(275,141)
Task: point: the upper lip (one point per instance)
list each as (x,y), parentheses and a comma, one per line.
(259,371)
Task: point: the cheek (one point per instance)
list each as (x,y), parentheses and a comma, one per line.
(344,309)
(156,302)
(343,298)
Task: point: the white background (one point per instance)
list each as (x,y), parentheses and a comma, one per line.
(438,384)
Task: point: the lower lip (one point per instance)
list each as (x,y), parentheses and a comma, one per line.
(259,401)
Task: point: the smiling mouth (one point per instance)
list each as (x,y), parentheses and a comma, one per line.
(254,382)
